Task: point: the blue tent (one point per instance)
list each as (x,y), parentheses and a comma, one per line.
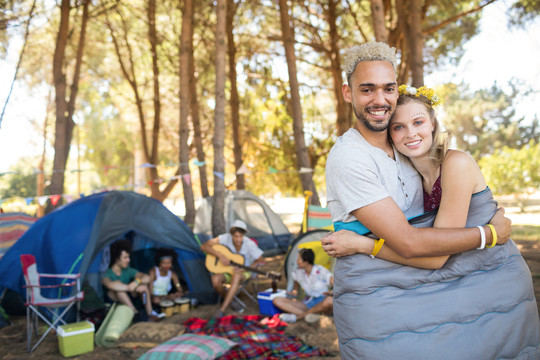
(72,239)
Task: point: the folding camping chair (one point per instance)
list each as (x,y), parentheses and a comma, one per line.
(39,305)
(243,289)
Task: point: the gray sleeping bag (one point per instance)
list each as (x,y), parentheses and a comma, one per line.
(479,305)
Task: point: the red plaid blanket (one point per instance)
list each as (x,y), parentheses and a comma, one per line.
(256,341)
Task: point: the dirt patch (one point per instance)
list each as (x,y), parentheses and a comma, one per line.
(321,334)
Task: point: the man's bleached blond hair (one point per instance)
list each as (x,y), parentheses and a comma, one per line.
(371,51)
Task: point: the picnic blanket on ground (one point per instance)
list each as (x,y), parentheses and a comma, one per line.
(479,305)
(255,341)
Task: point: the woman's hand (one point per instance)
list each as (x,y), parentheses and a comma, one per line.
(503,226)
(345,242)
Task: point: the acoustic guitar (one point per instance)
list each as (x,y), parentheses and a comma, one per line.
(237,260)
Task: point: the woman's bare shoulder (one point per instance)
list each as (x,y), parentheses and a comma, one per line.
(459,160)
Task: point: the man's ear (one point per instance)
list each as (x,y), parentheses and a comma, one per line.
(346,91)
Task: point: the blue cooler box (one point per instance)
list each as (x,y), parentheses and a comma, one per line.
(266,307)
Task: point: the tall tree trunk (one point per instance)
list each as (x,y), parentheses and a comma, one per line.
(379,23)
(197,134)
(186,37)
(415,40)
(127,65)
(343,109)
(234,102)
(65,107)
(40,189)
(302,156)
(156,192)
(218,200)
(410,22)
(152,39)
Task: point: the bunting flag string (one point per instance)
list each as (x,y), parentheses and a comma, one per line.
(242,170)
(42,200)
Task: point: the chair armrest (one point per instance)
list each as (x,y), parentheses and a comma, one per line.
(70,284)
(64,276)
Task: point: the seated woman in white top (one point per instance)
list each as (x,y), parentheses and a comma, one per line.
(164,282)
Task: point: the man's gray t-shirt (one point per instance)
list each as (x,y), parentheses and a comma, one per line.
(359,174)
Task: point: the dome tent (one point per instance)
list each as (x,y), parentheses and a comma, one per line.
(263,224)
(72,239)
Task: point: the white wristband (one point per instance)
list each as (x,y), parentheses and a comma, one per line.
(482,238)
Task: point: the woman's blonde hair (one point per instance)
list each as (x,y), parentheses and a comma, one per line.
(439,146)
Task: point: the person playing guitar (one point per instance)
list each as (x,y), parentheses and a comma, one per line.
(237,243)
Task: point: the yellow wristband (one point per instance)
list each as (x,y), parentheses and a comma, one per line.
(138,281)
(378,245)
(494,234)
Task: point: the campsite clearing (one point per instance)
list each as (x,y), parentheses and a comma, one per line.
(322,334)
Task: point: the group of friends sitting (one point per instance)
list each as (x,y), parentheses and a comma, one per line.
(129,286)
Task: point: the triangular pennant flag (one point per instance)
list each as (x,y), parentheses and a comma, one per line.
(242,170)
(81,195)
(28,200)
(198,163)
(68,198)
(54,199)
(147,165)
(187,178)
(272,170)
(42,200)
(304,170)
(219,175)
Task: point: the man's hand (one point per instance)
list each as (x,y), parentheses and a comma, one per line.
(133,285)
(343,242)
(225,261)
(503,226)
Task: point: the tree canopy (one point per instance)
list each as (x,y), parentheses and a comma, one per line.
(136,82)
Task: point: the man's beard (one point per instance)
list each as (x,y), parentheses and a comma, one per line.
(377,127)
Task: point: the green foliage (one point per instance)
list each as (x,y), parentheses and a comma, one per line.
(513,171)
(485,120)
(108,122)
(446,44)
(21,181)
(526,233)
(524,11)
(108,141)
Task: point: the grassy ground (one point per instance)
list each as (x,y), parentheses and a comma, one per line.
(526,232)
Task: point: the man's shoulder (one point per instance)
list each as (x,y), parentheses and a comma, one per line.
(350,138)
(109,272)
(224,238)
(129,270)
